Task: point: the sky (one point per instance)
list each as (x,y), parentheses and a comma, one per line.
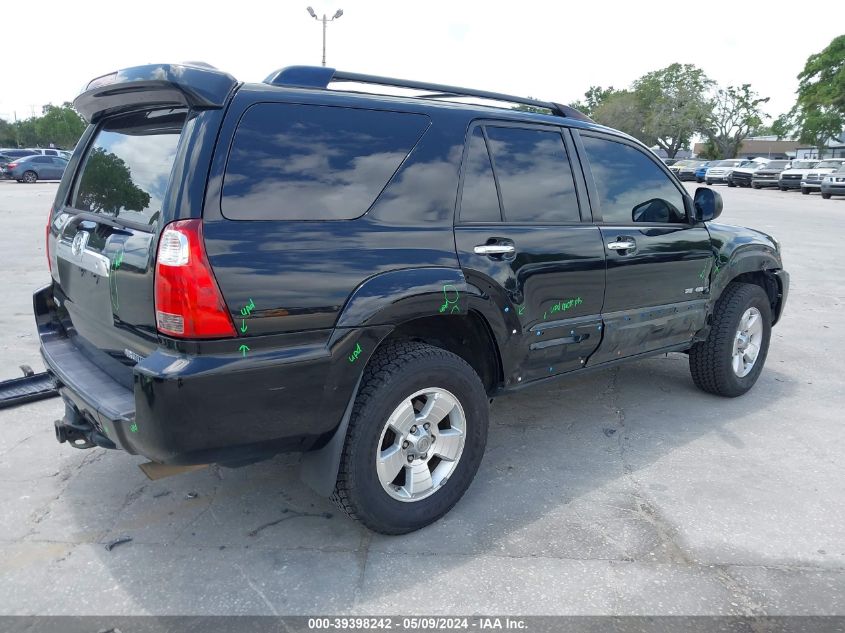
(548,50)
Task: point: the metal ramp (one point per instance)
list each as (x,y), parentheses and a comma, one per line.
(29,388)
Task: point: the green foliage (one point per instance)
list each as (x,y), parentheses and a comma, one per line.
(593,98)
(736,110)
(57,125)
(674,105)
(819,111)
(107,185)
(822,82)
(624,111)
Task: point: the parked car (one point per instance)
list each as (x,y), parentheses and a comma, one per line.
(742,176)
(813,180)
(687,172)
(701,172)
(834,184)
(670,161)
(365,303)
(14,152)
(4,160)
(791,178)
(768,176)
(721,169)
(30,169)
(51,152)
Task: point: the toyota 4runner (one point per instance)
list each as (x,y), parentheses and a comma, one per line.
(240,270)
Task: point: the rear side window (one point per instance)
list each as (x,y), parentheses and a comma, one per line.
(127,168)
(534,175)
(303,162)
(479,200)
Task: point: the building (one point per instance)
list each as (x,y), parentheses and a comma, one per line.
(761,147)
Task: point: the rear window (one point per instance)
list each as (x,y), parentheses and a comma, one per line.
(303,162)
(127,167)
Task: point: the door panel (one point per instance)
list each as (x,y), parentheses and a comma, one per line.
(520,239)
(658,264)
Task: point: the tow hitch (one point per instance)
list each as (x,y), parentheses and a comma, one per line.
(79,432)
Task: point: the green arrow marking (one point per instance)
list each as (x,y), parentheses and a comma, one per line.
(243,349)
(243,325)
(520,310)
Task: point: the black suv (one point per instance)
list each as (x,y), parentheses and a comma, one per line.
(241,269)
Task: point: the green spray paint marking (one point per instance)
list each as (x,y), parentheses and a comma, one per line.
(134,427)
(243,349)
(248,308)
(243,325)
(451,296)
(520,310)
(355,353)
(566,304)
(115,300)
(703,272)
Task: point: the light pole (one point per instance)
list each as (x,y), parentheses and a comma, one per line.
(325,21)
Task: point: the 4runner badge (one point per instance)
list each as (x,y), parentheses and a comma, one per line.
(80,241)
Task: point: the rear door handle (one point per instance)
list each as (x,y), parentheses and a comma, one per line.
(494,249)
(622,245)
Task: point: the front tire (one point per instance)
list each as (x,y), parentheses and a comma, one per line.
(782,188)
(805,191)
(826,196)
(396,474)
(729,362)
(756,186)
(29,177)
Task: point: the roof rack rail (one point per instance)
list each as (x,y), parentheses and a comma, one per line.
(321,77)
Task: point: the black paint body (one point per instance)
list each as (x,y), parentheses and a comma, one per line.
(327,293)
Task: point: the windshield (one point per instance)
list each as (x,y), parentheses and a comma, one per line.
(777,164)
(728,163)
(829,164)
(803,164)
(127,167)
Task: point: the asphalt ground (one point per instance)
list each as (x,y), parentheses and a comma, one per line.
(621,492)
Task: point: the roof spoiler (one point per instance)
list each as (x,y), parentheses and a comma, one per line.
(193,85)
(321,77)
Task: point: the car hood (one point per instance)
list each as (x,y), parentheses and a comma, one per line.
(802,172)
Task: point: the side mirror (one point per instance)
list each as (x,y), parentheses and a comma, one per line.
(708,204)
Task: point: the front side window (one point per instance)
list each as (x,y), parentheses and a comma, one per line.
(631,187)
(304,162)
(127,167)
(535,178)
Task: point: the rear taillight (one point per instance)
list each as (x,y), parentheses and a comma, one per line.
(11,165)
(47,241)
(188,302)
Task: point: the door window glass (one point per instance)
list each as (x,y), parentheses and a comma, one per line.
(534,175)
(631,187)
(479,200)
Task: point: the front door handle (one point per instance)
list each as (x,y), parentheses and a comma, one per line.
(622,245)
(494,249)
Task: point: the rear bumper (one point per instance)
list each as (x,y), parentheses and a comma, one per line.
(201,408)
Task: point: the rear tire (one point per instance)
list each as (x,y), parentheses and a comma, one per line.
(826,196)
(426,484)
(782,188)
(805,191)
(29,177)
(723,364)
(756,186)
(731,183)
(699,180)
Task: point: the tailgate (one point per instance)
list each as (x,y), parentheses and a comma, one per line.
(103,238)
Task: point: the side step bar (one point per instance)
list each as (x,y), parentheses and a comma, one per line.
(30,388)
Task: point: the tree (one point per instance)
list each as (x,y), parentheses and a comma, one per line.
(59,125)
(736,110)
(622,110)
(674,103)
(8,135)
(593,98)
(107,185)
(822,82)
(819,111)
